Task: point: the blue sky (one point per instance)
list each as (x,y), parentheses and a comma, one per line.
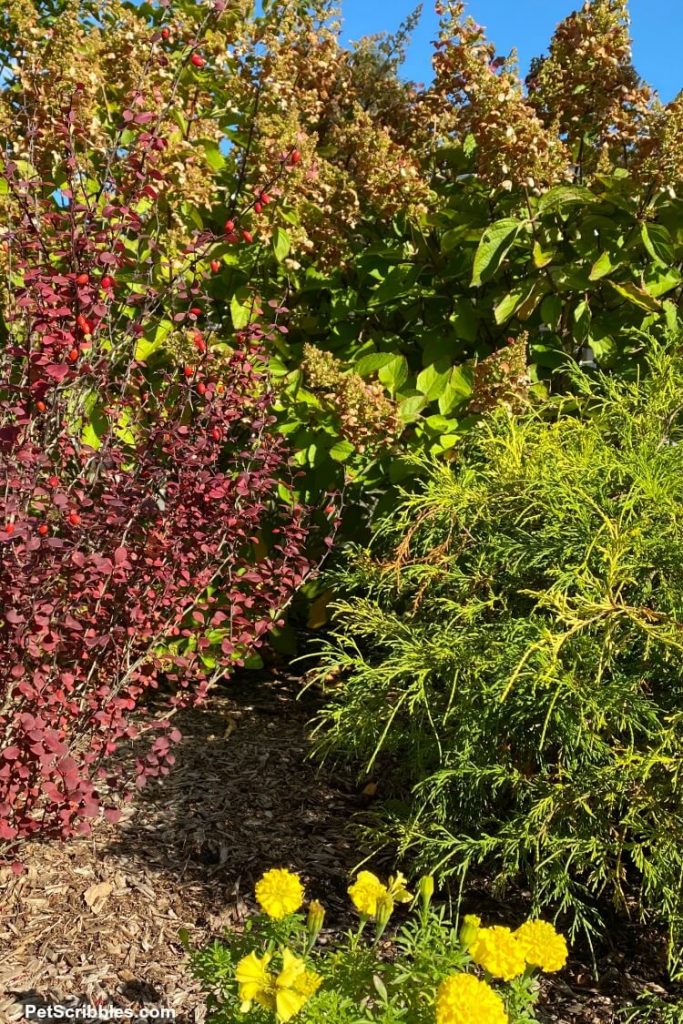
(657,29)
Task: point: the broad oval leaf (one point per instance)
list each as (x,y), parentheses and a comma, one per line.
(493,248)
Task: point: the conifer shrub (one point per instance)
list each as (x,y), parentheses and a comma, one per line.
(508,657)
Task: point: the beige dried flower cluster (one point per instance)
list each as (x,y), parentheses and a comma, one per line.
(502,378)
(368,419)
(660,154)
(477,93)
(587,87)
(99,69)
(360,154)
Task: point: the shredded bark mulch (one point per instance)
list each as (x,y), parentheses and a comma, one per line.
(98,919)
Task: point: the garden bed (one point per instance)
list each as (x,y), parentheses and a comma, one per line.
(98,918)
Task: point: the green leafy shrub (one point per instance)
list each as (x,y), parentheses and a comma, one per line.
(509,654)
(551,208)
(274,971)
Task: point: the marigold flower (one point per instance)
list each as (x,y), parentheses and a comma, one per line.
(294,986)
(279,893)
(498,952)
(365,892)
(285,993)
(463,999)
(255,984)
(542,945)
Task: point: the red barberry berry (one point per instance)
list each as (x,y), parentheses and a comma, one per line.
(201,387)
(9,528)
(188,371)
(82,279)
(196,311)
(229,227)
(215,266)
(42,530)
(248,237)
(107,281)
(295,156)
(265,198)
(41,407)
(73,355)
(74,518)
(197,60)
(258,207)
(165,33)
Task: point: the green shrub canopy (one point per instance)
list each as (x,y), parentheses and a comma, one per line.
(513,645)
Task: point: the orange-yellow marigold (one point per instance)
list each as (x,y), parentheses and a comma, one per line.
(279,892)
(542,945)
(463,999)
(498,952)
(366,891)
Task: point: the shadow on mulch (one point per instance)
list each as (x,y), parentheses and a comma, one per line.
(98,919)
(243,797)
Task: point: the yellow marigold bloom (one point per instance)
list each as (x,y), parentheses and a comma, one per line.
(294,986)
(498,952)
(255,984)
(463,999)
(279,892)
(365,892)
(542,946)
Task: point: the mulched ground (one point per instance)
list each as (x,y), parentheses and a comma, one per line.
(98,919)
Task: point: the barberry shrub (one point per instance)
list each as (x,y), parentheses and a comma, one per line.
(147,528)
(508,654)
